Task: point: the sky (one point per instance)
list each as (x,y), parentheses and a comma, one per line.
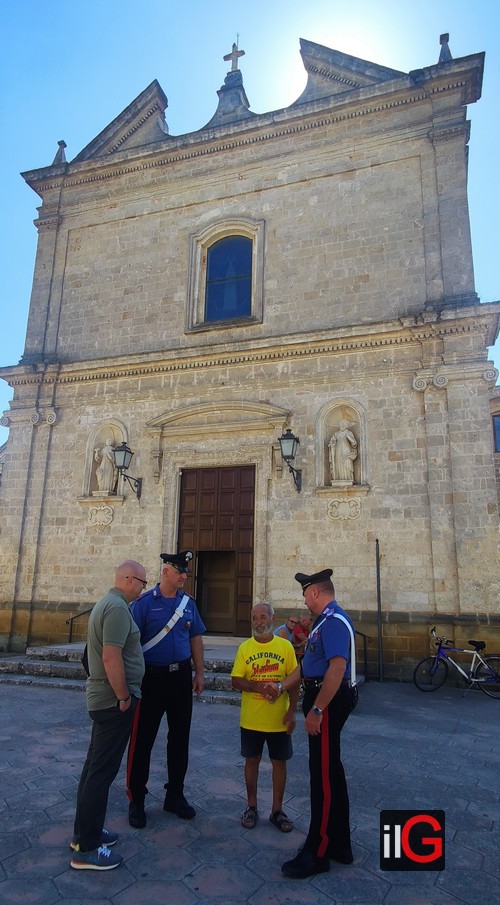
(67,70)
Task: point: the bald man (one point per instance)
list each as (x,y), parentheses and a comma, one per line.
(116,669)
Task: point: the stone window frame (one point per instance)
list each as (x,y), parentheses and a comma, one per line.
(199,244)
(495,423)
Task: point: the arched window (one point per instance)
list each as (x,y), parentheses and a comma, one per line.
(228,288)
(226,275)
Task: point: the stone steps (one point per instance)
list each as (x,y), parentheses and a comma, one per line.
(60,666)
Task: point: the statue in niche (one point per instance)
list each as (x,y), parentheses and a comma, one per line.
(106,473)
(342,451)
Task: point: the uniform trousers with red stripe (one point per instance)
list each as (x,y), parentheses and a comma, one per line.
(329,830)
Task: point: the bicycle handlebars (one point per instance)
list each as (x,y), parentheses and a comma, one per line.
(439,640)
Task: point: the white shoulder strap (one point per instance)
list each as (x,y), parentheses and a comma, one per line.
(170,624)
(352,677)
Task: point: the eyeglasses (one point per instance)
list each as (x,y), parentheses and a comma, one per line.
(144,583)
(181,569)
(293,621)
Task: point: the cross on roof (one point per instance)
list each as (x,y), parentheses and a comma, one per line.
(233,56)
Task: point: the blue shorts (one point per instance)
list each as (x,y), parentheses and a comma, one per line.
(279,744)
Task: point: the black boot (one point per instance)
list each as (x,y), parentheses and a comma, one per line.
(177,804)
(137,814)
(305,864)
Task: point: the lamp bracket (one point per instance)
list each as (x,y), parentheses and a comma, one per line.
(135,483)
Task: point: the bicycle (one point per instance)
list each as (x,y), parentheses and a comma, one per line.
(484,672)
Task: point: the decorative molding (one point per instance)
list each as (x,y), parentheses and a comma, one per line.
(48,222)
(491,375)
(90,501)
(440,381)
(137,124)
(344,509)
(446,133)
(5,421)
(35,418)
(407,332)
(100,516)
(229,417)
(349,492)
(332,76)
(240,140)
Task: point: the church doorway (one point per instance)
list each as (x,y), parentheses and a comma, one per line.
(216,522)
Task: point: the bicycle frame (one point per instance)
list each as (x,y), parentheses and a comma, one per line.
(442,653)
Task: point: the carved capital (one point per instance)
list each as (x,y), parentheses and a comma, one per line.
(419,384)
(491,376)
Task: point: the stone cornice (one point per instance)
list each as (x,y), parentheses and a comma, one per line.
(407,331)
(268,127)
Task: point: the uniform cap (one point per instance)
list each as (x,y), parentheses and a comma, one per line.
(179,560)
(307,580)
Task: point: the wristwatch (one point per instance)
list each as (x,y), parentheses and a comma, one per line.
(124,700)
(317,710)
(280,688)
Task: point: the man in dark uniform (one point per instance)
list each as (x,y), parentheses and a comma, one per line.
(171,630)
(328,700)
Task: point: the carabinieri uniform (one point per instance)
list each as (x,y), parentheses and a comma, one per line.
(329,831)
(166,688)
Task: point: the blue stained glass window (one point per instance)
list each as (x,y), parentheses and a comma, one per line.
(229,279)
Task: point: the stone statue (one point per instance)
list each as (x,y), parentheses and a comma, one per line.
(342,451)
(106,473)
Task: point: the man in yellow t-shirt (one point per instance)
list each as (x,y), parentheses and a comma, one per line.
(262,659)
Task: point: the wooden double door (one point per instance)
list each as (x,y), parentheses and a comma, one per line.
(216,522)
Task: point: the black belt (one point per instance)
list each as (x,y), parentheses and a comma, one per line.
(170,667)
(317,683)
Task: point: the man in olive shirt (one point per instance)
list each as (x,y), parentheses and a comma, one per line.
(116,669)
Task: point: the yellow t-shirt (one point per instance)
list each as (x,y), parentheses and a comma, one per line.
(258,662)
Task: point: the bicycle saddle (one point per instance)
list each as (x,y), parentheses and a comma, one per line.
(479,645)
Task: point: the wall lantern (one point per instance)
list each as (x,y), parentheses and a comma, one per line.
(123,457)
(288,444)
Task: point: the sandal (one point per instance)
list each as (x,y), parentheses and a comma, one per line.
(281,821)
(249,818)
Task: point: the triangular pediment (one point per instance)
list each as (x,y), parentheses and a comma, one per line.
(330,72)
(141,123)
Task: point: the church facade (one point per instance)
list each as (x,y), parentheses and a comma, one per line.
(196,297)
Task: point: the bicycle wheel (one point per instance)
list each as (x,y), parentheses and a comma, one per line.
(430,674)
(489,676)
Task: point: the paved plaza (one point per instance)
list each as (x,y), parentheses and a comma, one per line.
(402,749)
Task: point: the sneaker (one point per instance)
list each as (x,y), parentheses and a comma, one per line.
(137,814)
(179,806)
(101,858)
(107,838)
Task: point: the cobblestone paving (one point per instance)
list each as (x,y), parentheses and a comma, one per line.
(402,749)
